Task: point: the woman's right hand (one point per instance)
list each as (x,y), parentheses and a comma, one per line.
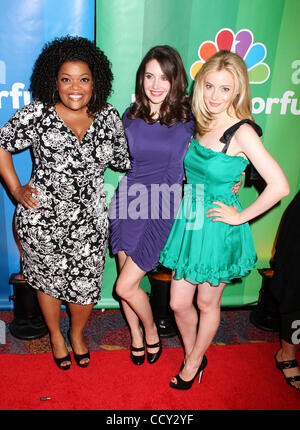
(23,195)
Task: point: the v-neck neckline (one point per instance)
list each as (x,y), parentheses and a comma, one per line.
(70,129)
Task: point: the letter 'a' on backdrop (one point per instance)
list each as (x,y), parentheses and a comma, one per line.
(266,34)
(25,27)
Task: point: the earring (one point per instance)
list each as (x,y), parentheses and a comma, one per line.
(55,97)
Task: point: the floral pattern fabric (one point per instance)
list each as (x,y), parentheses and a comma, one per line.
(64,240)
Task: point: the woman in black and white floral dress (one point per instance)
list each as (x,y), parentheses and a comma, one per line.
(61,218)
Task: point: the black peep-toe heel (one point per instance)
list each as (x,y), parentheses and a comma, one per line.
(79,357)
(60,361)
(180,384)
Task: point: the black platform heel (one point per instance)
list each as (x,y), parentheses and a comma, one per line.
(60,361)
(153,357)
(186,385)
(79,357)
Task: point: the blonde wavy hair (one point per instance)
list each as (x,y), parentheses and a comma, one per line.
(241,99)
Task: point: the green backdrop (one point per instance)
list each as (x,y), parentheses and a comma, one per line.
(126,30)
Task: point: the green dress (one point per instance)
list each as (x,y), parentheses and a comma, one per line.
(198,249)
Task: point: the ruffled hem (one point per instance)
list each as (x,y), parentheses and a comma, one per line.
(202,273)
(146,251)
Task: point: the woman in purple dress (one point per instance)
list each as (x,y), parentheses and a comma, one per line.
(158,127)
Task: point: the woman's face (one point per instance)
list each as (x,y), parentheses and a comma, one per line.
(156,85)
(75,85)
(218,90)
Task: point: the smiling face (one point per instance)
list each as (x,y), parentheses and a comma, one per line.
(218,91)
(156,85)
(75,85)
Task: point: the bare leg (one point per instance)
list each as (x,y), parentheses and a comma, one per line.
(131,317)
(129,290)
(209,304)
(51,307)
(195,342)
(79,318)
(181,302)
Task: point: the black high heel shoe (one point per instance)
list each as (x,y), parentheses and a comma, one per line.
(186,385)
(288,364)
(153,357)
(60,361)
(137,359)
(80,357)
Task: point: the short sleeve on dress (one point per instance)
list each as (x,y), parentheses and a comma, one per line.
(126,120)
(19,131)
(120,159)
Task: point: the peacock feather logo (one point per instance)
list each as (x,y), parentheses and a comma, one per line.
(242,44)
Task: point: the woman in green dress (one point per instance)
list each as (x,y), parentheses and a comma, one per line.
(210,242)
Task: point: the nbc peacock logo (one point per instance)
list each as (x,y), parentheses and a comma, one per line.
(242,43)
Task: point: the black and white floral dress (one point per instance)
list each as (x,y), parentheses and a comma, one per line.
(64,241)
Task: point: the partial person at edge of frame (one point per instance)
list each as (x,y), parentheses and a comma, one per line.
(284,286)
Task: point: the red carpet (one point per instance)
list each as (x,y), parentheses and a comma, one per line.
(238,377)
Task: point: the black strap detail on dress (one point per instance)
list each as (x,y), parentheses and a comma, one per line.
(226,138)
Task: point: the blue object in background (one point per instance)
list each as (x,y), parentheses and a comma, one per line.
(25,27)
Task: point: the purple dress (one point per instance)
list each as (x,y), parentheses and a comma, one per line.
(145,204)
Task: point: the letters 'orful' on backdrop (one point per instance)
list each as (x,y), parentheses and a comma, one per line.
(265,33)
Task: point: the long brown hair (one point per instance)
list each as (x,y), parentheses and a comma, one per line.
(176,105)
(241,100)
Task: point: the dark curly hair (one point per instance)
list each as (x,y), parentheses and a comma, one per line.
(71,48)
(176,106)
